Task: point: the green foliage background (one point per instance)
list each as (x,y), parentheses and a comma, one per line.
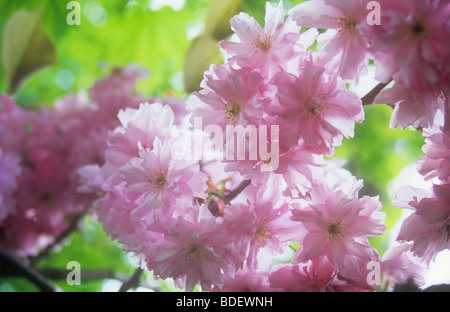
(119,32)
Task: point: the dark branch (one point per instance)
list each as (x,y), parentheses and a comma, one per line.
(66,233)
(213,205)
(238,189)
(133,282)
(12,266)
(372,94)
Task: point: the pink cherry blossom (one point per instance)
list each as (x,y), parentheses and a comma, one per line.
(317,105)
(162,182)
(347,45)
(399,265)
(411,108)
(315,275)
(260,223)
(337,225)
(269,47)
(194,250)
(436,162)
(229,97)
(246,281)
(408,43)
(9,170)
(429,226)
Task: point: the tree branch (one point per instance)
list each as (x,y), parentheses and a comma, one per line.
(12,266)
(213,205)
(372,94)
(133,282)
(46,251)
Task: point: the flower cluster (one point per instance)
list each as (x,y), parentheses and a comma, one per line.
(407,41)
(222,222)
(41,151)
(428,226)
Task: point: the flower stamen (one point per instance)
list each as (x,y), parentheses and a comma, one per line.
(232,110)
(262,234)
(159,179)
(263,45)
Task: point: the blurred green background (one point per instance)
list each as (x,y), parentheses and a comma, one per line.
(158,36)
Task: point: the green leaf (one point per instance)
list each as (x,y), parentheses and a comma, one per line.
(218,19)
(25,47)
(203,52)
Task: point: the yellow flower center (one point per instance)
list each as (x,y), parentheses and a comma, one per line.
(193,250)
(232,110)
(263,44)
(159,180)
(334,230)
(348,23)
(315,105)
(262,234)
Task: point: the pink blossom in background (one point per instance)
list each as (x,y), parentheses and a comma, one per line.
(9,170)
(115,92)
(52,144)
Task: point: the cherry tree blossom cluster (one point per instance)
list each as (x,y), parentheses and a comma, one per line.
(41,151)
(224,223)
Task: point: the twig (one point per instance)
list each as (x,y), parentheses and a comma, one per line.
(238,189)
(12,266)
(133,282)
(371,95)
(46,251)
(213,205)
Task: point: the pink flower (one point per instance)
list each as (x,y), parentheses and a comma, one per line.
(246,281)
(260,223)
(269,47)
(284,169)
(312,276)
(409,42)
(115,92)
(436,162)
(162,182)
(194,250)
(138,126)
(337,224)
(347,48)
(229,97)
(9,171)
(429,226)
(317,105)
(399,265)
(411,108)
